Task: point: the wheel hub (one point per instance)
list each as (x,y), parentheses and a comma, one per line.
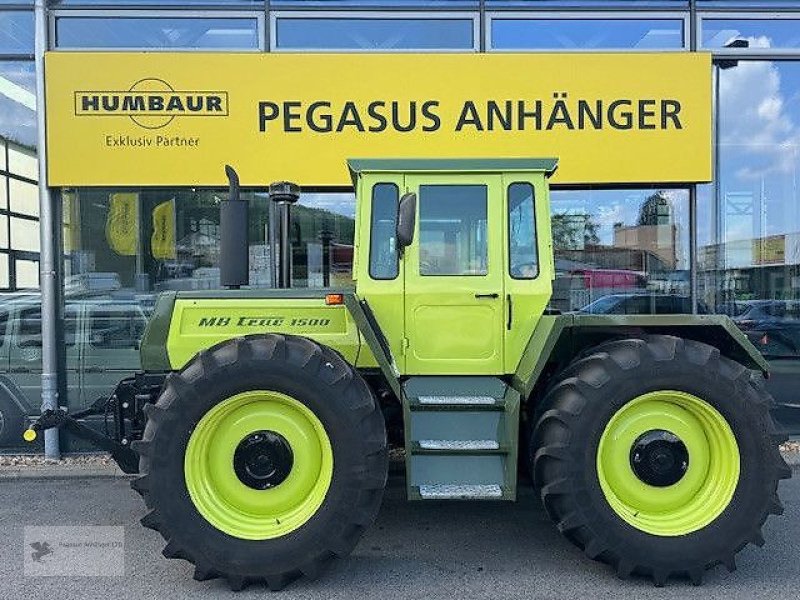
(263,460)
(659,458)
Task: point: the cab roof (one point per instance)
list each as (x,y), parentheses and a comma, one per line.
(448,165)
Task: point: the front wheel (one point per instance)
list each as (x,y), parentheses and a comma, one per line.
(658,456)
(262,460)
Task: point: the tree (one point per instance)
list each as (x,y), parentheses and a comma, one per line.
(574,231)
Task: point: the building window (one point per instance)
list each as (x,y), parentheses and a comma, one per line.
(18,116)
(370,33)
(19,236)
(177,3)
(388,4)
(22,159)
(749,221)
(520,32)
(16,32)
(116,243)
(322,237)
(25,236)
(621,251)
(4,271)
(168,32)
(779,31)
(24,197)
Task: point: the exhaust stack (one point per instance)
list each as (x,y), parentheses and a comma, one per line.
(234,263)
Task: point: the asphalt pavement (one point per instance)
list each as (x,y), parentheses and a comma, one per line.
(415,550)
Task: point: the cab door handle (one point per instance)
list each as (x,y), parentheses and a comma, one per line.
(487,296)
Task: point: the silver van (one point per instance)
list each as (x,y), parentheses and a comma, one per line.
(101,348)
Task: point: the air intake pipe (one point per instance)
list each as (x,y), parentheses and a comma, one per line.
(284,194)
(234,261)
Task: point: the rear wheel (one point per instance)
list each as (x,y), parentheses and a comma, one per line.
(659,457)
(262,460)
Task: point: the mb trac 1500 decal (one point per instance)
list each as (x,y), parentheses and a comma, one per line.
(273,321)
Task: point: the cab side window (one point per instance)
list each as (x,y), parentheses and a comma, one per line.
(452,230)
(383,259)
(523,255)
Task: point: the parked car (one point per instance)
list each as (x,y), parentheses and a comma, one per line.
(642,304)
(101,347)
(772,325)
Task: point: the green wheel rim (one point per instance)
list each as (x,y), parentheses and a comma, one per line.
(237,509)
(707,486)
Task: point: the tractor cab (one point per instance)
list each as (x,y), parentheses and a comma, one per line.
(454,259)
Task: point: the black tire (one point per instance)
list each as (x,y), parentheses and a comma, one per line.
(579,405)
(324,382)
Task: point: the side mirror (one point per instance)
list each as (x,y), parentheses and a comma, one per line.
(406,220)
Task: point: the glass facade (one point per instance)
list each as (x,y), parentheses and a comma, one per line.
(621,251)
(371,33)
(167,33)
(526,33)
(617,250)
(762,33)
(19,196)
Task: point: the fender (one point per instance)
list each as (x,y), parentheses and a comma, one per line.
(557,339)
(185,323)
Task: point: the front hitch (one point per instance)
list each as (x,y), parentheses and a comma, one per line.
(126,458)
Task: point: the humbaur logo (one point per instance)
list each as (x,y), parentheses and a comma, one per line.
(151,103)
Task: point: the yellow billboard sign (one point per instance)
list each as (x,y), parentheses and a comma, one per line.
(148,119)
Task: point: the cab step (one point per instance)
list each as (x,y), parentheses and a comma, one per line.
(457,403)
(459,492)
(461,438)
(458,447)
(458,400)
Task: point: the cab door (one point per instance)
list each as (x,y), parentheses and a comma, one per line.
(453,273)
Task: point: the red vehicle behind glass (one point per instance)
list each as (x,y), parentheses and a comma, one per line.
(611,279)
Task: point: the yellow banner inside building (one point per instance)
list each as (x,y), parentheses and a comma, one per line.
(155,119)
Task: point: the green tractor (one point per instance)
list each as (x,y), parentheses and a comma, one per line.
(259,423)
